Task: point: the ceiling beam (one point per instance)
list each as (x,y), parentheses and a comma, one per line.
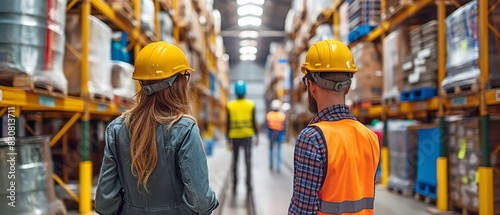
(267,33)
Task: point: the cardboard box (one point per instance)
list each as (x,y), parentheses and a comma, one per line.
(367,82)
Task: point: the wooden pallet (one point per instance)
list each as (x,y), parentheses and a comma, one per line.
(394,7)
(94,97)
(462,90)
(367,103)
(26,82)
(462,210)
(124,12)
(425,199)
(401,192)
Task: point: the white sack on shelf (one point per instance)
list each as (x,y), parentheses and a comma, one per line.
(99,56)
(121,79)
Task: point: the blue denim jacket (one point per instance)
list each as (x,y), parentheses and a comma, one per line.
(179,184)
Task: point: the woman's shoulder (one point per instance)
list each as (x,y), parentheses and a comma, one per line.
(117,123)
(185,121)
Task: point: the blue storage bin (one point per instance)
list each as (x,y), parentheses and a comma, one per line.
(427,154)
(119,49)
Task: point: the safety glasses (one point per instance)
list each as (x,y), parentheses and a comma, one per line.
(187,75)
(306,77)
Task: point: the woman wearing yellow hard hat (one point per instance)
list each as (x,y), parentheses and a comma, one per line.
(154,161)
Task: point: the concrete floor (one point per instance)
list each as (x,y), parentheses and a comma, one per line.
(273,190)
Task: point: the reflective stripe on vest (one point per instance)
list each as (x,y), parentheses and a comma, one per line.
(346,206)
(275,120)
(353,156)
(241,118)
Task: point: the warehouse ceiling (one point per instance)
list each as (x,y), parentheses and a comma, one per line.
(271,29)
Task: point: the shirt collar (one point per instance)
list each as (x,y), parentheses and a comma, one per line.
(333,113)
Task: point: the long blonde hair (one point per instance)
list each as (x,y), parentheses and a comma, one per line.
(142,120)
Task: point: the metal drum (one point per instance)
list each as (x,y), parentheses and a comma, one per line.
(32,39)
(33,188)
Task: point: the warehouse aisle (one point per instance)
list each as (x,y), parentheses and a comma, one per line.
(272,190)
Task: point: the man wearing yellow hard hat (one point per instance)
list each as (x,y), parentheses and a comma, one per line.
(336,157)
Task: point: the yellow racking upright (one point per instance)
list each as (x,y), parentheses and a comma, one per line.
(437,107)
(83,108)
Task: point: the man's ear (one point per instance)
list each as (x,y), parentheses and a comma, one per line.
(347,89)
(311,86)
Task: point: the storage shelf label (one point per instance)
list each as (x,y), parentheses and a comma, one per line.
(102,108)
(497,95)
(459,101)
(46,101)
(1,95)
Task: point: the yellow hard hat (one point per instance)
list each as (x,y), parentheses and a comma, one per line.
(329,56)
(159,60)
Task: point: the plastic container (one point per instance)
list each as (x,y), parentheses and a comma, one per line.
(32,40)
(121,80)
(428,152)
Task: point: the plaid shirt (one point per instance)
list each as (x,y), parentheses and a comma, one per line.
(310,162)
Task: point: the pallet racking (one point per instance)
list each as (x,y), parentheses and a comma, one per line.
(84,108)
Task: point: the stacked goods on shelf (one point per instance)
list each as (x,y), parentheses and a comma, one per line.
(33,178)
(183,14)
(364,16)
(366,86)
(123,85)
(315,7)
(166,27)
(428,150)
(148,18)
(462,42)
(344,22)
(217,22)
(99,83)
(464,156)
(392,7)
(32,44)
(396,48)
(124,10)
(420,68)
(323,32)
(402,154)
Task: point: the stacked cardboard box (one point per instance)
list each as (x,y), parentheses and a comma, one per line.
(367,82)
(464,155)
(403,155)
(364,16)
(420,68)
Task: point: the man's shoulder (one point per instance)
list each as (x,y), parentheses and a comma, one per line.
(310,132)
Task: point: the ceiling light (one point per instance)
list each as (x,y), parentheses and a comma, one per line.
(250,10)
(249,34)
(248,50)
(248,43)
(242,2)
(250,57)
(249,20)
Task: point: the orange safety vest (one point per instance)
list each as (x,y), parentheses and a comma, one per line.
(353,156)
(276,120)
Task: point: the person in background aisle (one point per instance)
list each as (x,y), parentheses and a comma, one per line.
(336,157)
(241,128)
(154,162)
(276,132)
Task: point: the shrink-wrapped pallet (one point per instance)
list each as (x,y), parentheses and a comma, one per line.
(99,84)
(32,41)
(315,7)
(402,156)
(166,28)
(396,48)
(147,16)
(121,79)
(462,42)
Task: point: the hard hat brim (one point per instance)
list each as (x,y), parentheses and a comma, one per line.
(161,78)
(304,70)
